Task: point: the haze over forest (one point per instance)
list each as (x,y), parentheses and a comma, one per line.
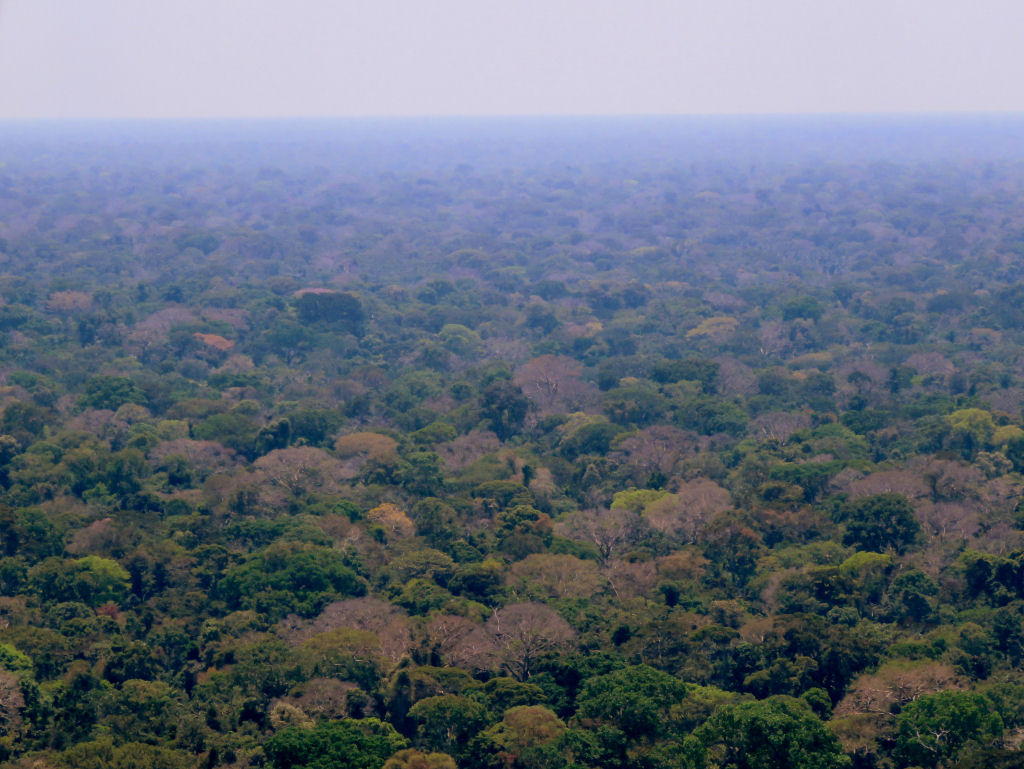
(550,443)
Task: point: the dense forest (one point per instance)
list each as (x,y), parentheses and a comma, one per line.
(512,445)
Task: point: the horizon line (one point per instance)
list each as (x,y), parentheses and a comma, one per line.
(96,119)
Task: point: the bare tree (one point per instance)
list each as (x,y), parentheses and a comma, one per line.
(684,513)
(897,684)
(458,642)
(203,457)
(12,703)
(468,448)
(300,470)
(525,631)
(554,385)
(777,426)
(909,484)
(388,622)
(612,531)
(659,448)
(550,575)
(630,579)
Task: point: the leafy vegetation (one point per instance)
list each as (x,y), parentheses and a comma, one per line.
(431,448)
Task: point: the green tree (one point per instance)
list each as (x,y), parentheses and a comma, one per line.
(106,754)
(880,522)
(346,654)
(505,407)
(777,733)
(336,309)
(935,727)
(635,405)
(636,700)
(349,744)
(105,391)
(149,711)
(447,723)
(92,580)
(913,594)
(971,431)
(290,577)
(236,431)
(525,737)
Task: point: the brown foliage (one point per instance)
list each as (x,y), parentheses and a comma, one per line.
(324,698)
(685,512)
(554,385)
(204,457)
(949,519)
(155,328)
(392,519)
(301,470)
(102,537)
(12,703)
(461,643)
(611,531)
(735,379)
(216,341)
(102,423)
(911,485)
(355,449)
(524,631)
(656,449)
(365,445)
(630,579)
(547,575)
(952,480)
(468,448)
(417,759)
(931,363)
(387,622)
(896,684)
(69,301)
(777,426)
(686,564)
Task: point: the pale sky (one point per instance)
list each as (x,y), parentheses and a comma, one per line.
(292,58)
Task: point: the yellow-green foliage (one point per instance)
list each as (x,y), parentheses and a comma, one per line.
(635,500)
(716,326)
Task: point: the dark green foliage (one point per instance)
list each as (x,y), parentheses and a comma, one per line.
(777,733)
(635,700)
(348,744)
(594,438)
(637,405)
(447,723)
(478,581)
(236,431)
(803,307)
(92,580)
(338,310)
(106,754)
(23,422)
(505,407)
(276,435)
(691,369)
(936,727)
(289,577)
(207,242)
(707,415)
(880,522)
(109,392)
(914,593)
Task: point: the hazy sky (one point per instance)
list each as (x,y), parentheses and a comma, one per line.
(233,58)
